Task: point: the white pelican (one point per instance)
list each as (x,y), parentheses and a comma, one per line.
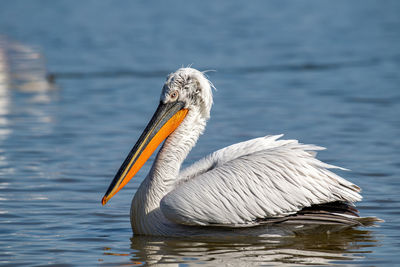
(237,189)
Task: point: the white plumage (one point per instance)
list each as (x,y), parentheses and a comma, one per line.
(263,181)
(256,179)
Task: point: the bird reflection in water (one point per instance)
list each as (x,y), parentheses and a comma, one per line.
(323,249)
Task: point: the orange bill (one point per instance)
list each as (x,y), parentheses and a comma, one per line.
(164,121)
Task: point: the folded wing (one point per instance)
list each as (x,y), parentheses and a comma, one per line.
(262,178)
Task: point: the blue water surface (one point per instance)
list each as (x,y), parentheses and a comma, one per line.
(80,80)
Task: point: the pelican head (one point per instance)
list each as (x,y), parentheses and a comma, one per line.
(191,87)
(186,91)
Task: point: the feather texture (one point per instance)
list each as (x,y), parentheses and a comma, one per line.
(259,178)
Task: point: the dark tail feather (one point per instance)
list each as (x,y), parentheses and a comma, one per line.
(333,213)
(337,207)
(369,221)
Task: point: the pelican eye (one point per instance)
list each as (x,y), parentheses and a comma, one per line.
(174,94)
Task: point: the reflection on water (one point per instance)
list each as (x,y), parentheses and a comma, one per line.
(322,249)
(22,69)
(23,91)
(4,94)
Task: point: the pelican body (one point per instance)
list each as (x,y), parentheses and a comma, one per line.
(254,186)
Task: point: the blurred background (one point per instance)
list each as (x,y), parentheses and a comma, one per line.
(80,80)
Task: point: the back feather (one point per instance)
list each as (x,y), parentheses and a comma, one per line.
(260,178)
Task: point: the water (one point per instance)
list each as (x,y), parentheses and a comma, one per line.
(78,83)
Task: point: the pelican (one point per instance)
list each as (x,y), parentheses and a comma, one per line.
(263,183)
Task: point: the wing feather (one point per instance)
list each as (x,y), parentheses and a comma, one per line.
(259,178)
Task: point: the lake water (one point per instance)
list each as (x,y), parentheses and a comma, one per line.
(79,81)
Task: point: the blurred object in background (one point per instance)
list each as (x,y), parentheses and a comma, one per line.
(22,68)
